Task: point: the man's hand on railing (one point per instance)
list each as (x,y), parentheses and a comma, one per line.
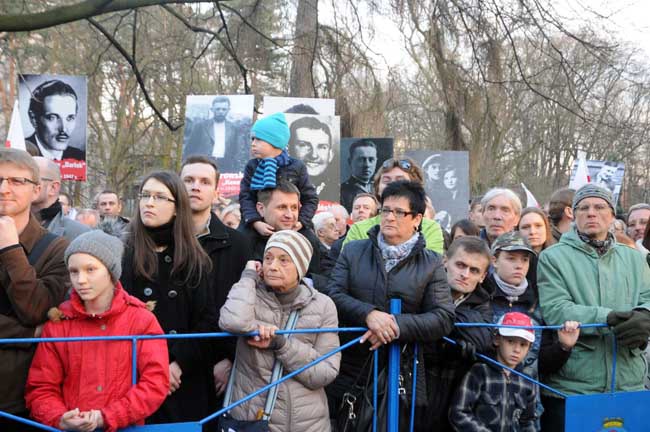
(568,335)
(221,373)
(175,373)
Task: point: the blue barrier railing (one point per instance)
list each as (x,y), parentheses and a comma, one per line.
(392,378)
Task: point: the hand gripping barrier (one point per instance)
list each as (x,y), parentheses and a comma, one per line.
(608,411)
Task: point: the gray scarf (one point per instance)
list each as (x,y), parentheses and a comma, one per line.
(512,292)
(392,255)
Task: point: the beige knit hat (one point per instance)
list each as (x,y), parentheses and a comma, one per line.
(296,246)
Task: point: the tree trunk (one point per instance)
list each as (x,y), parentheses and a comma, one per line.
(306,35)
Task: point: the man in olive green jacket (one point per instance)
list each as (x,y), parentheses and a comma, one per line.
(588,277)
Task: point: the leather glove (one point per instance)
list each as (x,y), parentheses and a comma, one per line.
(615,318)
(635,331)
(467,350)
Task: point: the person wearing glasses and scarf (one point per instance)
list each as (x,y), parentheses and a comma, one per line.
(164,263)
(392,263)
(393,170)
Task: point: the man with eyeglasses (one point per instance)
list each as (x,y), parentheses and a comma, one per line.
(220,137)
(33,276)
(47,206)
(588,277)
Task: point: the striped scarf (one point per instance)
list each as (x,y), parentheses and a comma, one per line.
(266,172)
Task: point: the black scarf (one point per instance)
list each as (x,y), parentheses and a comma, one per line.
(162,235)
(601,246)
(47,214)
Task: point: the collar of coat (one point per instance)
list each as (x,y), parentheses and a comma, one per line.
(306,296)
(419,245)
(74,308)
(572,239)
(31,234)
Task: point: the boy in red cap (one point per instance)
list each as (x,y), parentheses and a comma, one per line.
(491,398)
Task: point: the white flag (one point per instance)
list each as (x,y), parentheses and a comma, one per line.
(582,173)
(530,198)
(15,137)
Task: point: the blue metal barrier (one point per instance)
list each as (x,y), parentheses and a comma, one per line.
(587,412)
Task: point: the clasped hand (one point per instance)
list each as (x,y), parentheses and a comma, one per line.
(382,329)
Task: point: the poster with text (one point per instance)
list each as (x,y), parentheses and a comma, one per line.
(607,174)
(315,140)
(53,113)
(289,105)
(361,158)
(446,181)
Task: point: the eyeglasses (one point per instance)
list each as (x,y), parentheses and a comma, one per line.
(399,213)
(402,163)
(144,196)
(46,179)
(17,181)
(599,208)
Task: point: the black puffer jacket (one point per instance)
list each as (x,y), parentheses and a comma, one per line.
(359,284)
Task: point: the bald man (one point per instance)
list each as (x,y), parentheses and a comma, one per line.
(46,205)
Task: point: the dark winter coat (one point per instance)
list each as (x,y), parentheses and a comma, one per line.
(229,250)
(296,173)
(446,364)
(360,284)
(179,309)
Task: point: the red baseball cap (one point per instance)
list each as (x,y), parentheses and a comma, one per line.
(517,319)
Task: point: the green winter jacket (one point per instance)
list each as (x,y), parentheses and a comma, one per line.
(430,229)
(576,284)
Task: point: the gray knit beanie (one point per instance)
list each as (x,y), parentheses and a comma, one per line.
(106,248)
(296,246)
(591,190)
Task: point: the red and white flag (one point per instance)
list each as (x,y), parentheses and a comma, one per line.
(530,198)
(15,137)
(582,173)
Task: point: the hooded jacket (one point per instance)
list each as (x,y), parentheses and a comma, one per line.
(576,284)
(97,375)
(301,403)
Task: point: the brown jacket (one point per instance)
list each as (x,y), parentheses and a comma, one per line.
(28,292)
(301,404)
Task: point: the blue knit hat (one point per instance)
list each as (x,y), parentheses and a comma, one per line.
(273,129)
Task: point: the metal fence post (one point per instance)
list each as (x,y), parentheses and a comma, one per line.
(393,375)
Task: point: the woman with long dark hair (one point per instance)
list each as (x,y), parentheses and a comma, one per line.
(164,263)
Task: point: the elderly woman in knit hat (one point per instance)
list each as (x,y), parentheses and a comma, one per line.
(83,386)
(270,164)
(263,300)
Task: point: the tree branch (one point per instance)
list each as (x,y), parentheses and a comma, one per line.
(136,72)
(76,12)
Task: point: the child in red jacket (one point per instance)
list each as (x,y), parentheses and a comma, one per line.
(82,386)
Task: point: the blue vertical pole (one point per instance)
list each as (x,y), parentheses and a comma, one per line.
(375,368)
(134,361)
(393,375)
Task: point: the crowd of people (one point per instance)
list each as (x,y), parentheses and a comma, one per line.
(178,266)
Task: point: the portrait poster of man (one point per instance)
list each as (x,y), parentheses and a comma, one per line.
(608,174)
(446,181)
(315,140)
(288,105)
(219,126)
(53,114)
(360,160)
